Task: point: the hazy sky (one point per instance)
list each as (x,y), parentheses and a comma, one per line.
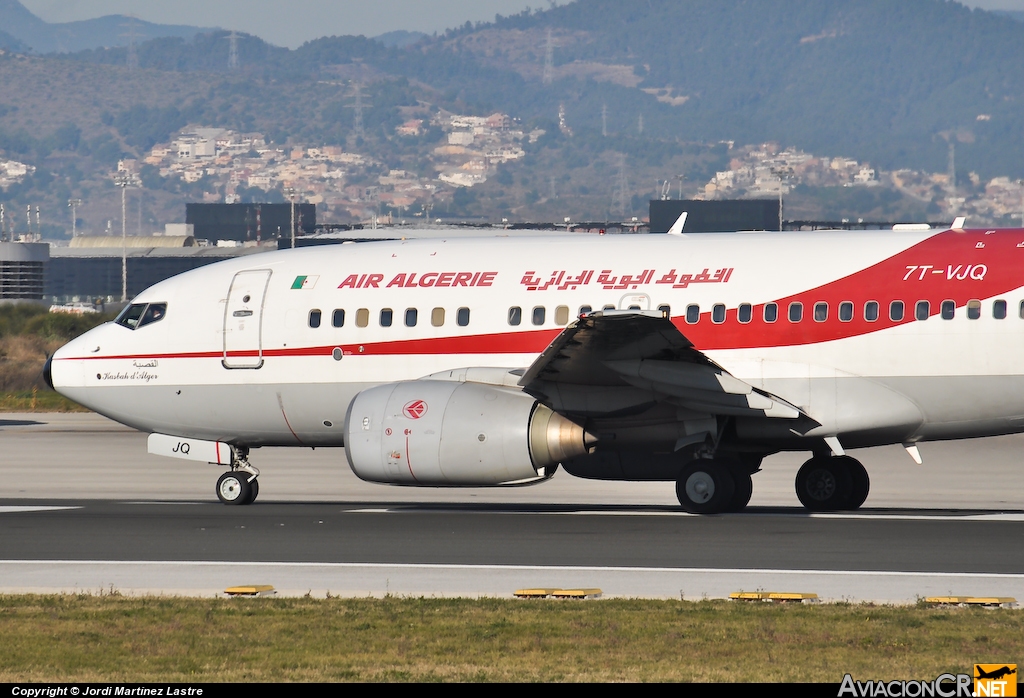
(291,22)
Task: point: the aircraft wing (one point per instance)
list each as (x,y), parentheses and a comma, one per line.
(617,362)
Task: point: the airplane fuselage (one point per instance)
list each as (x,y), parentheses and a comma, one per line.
(878,336)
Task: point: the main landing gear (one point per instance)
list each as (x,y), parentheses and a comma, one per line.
(721,485)
(832,483)
(714,486)
(240,484)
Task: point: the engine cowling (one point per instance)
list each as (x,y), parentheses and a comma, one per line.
(442,433)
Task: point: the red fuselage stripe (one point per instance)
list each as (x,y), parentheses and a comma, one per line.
(951,265)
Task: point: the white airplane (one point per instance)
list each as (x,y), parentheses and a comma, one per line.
(492,361)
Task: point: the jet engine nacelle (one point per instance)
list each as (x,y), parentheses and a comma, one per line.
(445,433)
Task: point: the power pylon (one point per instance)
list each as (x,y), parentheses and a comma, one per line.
(131,35)
(549,60)
(233,50)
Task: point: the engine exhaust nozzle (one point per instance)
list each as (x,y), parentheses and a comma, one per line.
(554,439)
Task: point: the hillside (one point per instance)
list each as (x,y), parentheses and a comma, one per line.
(873,79)
(45,37)
(659,83)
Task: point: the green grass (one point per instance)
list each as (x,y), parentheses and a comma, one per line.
(112,638)
(37,401)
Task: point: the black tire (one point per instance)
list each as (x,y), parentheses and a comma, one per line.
(824,484)
(255,487)
(233,488)
(706,487)
(744,488)
(861,483)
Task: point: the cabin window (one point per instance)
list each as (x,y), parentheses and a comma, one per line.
(634,307)
(999,310)
(314,318)
(130,316)
(462,317)
(745,313)
(608,307)
(820,312)
(718,313)
(412,316)
(973,309)
(539,314)
(562,315)
(771,312)
(387,316)
(515,315)
(154,313)
(666,309)
(922,310)
(437,317)
(1020,312)
(796,312)
(362,317)
(586,310)
(338,318)
(871,311)
(896,311)
(948,310)
(845,311)
(692,314)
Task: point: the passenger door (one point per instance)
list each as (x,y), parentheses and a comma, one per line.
(243,319)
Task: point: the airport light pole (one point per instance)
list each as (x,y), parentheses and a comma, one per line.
(73,204)
(122,179)
(781,175)
(1020,184)
(290,191)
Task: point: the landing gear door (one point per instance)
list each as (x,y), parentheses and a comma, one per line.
(243,319)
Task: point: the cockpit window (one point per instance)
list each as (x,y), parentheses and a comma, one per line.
(131,315)
(138,314)
(154,313)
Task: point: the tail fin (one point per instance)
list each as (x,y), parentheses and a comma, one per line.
(677,227)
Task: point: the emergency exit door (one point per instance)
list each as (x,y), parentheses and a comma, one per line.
(243,319)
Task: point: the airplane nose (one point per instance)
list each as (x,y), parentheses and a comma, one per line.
(47,373)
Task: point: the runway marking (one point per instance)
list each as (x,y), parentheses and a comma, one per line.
(1010,517)
(526,568)
(23,509)
(168,503)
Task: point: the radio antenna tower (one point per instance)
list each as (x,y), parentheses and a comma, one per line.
(233,50)
(357,93)
(357,121)
(133,55)
(621,199)
(549,60)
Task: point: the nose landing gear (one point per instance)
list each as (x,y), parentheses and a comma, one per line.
(240,484)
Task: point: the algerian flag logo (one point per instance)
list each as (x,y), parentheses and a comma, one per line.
(304,282)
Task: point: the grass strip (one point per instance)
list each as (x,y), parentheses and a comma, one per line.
(37,401)
(115,638)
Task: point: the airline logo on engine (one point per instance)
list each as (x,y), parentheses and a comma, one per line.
(415,409)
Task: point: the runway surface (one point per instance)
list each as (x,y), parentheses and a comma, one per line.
(84,508)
